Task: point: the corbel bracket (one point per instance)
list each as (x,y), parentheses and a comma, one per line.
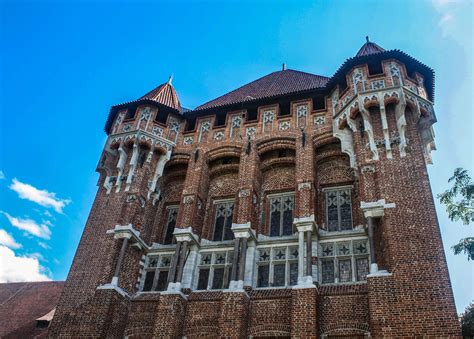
(244,231)
(186,234)
(304,224)
(375,209)
(127,231)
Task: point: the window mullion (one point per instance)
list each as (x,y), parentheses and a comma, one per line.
(339,222)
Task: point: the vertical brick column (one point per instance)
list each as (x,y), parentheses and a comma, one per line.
(304,313)
(368,183)
(248,180)
(233,322)
(304,176)
(191,209)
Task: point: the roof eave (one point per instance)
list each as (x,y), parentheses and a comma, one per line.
(115,108)
(252,101)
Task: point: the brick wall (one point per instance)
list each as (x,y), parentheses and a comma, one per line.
(285,153)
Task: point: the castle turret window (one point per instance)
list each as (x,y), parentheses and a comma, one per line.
(277,266)
(223,220)
(338,209)
(155,274)
(344,261)
(281,214)
(170,223)
(214,270)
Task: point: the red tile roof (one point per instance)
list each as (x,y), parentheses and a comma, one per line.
(22,303)
(274,84)
(164,94)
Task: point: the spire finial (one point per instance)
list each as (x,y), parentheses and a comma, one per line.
(283,67)
(367,38)
(170,79)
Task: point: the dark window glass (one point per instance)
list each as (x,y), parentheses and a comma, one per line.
(218,279)
(229,235)
(279,275)
(170,224)
(339,210)
(332,211)
(275,217)
(281,215)
(345,210)
(288,221)
(293,274)
(203,278)
(150,276)
(223,221)
(327,268)
(262,279)
(162,280)
(362,268)
(345,272)
(218,228)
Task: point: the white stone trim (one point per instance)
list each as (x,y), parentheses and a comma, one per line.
(243,231)
(375,209)
(186,234)
(127,231)
(115,288)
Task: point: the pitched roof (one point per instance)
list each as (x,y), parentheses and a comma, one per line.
(164,94)
(369,48)
(271,85)
(22,303)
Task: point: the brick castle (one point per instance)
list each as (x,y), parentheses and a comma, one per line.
(296,206)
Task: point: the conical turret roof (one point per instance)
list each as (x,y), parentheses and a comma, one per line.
(164,94)
(369,48)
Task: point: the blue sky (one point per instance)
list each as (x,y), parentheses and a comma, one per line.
(63,64)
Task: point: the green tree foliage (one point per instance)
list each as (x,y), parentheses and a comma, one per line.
(459,202)
(467,322)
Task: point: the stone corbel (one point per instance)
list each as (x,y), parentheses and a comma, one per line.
(186,234)
(133,164)
(347,143)
(370,132)
(427,138)
(120,165)
(375,209)
(160,165)
(244,231)
(129,232)
(304,224)
(386,133)
(401,122)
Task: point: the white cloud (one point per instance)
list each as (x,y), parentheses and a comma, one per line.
(43,245)
(41,197)
(15,268)
(49,215)
(29,226)
(37,256)
(2,175)
(446,18)
(7,240)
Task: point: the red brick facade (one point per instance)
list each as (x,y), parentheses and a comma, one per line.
(302,209)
